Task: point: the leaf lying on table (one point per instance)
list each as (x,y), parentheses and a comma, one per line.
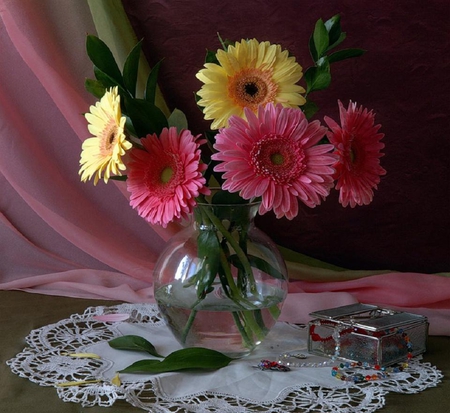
(134,343)
(187,358)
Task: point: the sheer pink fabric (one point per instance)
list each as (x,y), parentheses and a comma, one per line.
(62,237)
(58,235)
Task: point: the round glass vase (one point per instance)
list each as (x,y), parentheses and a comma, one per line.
(221,282)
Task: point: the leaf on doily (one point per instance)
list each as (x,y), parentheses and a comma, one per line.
(134,343)
(184,359)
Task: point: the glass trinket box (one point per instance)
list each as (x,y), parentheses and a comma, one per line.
(367,333)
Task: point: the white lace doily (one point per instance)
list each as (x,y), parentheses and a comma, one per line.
(237,388)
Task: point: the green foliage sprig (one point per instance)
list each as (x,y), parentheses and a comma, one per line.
(143,116)
(326,36)
(184,359)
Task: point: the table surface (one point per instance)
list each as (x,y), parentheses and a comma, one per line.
(22,312)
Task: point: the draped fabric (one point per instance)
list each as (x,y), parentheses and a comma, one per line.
(59,236)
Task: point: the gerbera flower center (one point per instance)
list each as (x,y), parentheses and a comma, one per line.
(252,87)
(352,156)
(108,138)
(279,158)
(164,174)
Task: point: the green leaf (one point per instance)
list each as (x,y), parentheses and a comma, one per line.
(108,82)
(341,38)
(345,54)
(225,197)
(142,366)
(134,343)
(321,39)
(178,119)
(309,109)
(333,26)
(211,136)
(152,84)
(259,263)
(184,359)
(211,57)
(118,177)
(146,117)
(130,69)
(102,58)
(317,78)
(95,87)
(312,49)
(129,126)
(323,64)
(197,98)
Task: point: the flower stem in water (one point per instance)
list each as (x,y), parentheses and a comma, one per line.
(247,340)
(241,255)
(188,325)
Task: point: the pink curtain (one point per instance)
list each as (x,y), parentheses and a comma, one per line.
(62,237)
(58,235)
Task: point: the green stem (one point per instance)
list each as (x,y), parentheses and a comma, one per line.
(205,216)
(242,279)
(249,323)
(190,320)
(235,294)
(274,311)
(229,277)
(260,321)
(248,341)
(238,250)
(249,318)
(188,325)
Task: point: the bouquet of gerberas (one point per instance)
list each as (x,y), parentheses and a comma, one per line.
(261,148)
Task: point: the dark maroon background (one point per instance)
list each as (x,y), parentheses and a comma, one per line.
(403,77)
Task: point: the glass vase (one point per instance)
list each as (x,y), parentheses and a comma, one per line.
(221,282)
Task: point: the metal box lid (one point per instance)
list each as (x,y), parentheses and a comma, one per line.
(344,311)
(368,317)
(388,321)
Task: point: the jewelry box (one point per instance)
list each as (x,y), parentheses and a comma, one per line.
(367,333)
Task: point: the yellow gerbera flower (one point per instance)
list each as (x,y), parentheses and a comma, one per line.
(250,74)
(102,153)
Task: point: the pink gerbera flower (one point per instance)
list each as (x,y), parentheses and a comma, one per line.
(274,155)
(166,176)
(358,146)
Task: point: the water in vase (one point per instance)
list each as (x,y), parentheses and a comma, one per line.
(218,322)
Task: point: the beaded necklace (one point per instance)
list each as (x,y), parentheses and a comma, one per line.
(356,376)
